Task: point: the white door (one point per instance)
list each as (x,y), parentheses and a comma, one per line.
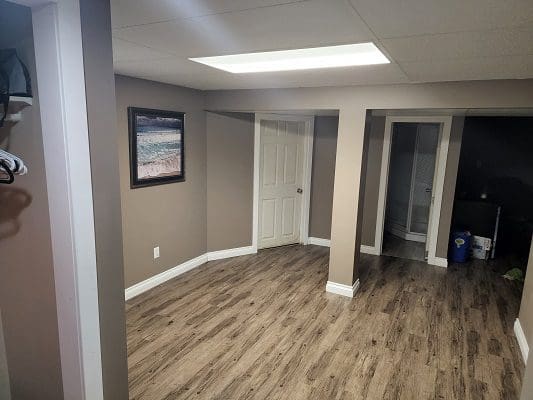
(280,181)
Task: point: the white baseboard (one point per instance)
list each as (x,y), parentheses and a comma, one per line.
(521,338)
(343,290)
(369,250)
(319,241)
(239,251)
(438,261)
(158,279)
(327,243)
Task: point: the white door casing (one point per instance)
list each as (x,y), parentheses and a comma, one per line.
(438,181)
(283,165)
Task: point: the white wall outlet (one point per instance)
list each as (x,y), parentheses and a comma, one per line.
(156,252)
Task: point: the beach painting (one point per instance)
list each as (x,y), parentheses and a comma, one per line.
(156,146)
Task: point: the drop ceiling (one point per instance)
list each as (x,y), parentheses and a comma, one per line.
(426,40)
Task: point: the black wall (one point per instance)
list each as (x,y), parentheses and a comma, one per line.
(497,161)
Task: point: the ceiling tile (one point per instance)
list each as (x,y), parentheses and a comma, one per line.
(188,73)
(397,18)
(296,25)
(127,51)
(431,40)
(138,12)
(449,46)
(478,68)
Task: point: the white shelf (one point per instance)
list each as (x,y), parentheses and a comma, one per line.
(16,105)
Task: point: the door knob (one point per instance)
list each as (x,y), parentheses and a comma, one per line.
(299,190)
(428,190)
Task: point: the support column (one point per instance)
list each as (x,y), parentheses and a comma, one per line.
(349,176)
(103,143)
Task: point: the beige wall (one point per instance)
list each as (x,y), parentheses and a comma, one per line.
(373,174)
(353,103)
(324,161)
(527,385)
(324,153)
(102,124)
(27,292)
(172,216)
(526,321)
(375,153)
(230,174)
(322,177)
(526,307)
(448,191)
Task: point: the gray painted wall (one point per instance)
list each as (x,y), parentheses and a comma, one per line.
(27,291)
(172,216)
(230,174)
(102,124)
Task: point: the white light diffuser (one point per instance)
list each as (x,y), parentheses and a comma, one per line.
(299,59)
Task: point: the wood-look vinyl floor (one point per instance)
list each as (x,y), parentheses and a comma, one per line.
(263,327)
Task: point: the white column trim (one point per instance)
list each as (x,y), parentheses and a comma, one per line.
(342,290)
(522,341)
(327,243)
(61,84)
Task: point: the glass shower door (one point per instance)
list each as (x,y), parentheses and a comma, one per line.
(423,172)
(401,165)
(411,172)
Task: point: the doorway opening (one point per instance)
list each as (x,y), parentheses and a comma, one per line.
(412,178)
(411,169)
(494,192)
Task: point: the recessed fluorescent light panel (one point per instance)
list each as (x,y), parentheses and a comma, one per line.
(299,59)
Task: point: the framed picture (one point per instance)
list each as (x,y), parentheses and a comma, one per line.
(156,146)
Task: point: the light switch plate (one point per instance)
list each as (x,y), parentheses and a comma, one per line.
(156,252)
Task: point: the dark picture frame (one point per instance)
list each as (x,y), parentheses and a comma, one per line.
(157,146)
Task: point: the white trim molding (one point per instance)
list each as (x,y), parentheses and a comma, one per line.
(327,243)
(342,290)
(306,176)
(438,261)
(369,250)
(158,279)
(165,276)
(319,241)
(228,253)
(63,109)
(521,338)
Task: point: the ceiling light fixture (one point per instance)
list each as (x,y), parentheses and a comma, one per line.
(347,55)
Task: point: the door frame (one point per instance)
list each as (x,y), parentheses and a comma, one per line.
(438,182)
(306,173)
(62,102)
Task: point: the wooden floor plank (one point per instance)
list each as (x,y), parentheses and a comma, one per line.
(263,327)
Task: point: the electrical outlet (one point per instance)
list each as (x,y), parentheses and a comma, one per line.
(156,252)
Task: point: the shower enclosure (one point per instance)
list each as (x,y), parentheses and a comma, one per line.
(411,172)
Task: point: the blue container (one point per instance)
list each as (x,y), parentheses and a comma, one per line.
(460,246)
